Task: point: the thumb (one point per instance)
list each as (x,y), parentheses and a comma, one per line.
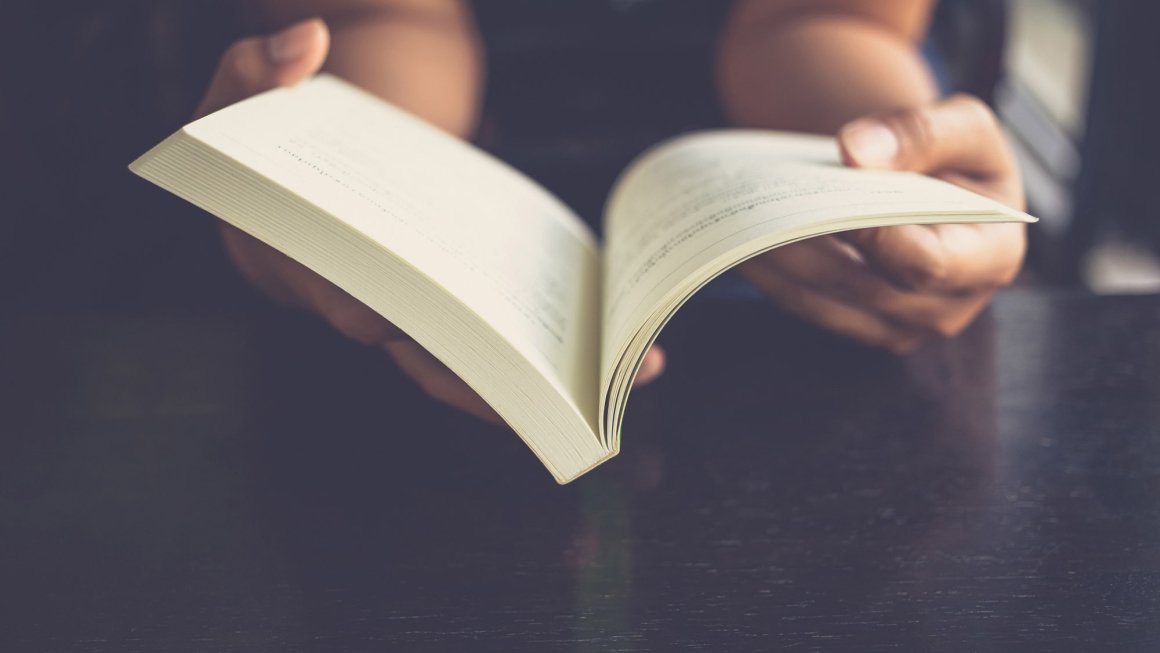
(959,134)
(260,63)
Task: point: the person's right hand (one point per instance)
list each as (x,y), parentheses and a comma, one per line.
(897,287)
(258,64)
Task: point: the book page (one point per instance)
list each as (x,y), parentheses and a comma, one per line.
(505,248)
(697,205)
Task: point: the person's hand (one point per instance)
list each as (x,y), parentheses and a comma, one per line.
(258,64)
(895,287)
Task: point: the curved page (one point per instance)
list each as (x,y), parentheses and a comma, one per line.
(486,270)
(691,208)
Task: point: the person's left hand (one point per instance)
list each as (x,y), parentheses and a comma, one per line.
(895,287)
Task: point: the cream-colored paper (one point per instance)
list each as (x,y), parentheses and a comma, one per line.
(511,252)
(485,269)
(493,275)
(698,205)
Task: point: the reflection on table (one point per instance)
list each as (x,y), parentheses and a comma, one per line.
(255,483)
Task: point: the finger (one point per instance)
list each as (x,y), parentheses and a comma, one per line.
(349,316)
(651,366)
(290,282)
(252,258)
(958,134)
(437,381)
(831,313)
(260,63)
(299,286)
(834,269)
(946,258)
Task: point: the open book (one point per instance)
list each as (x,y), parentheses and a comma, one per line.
(495,276)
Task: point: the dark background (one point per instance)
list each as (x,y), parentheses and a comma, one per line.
(575,90)
(184,468)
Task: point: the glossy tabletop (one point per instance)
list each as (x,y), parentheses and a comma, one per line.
(255,484)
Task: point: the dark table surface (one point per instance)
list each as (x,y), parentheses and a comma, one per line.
(255,484)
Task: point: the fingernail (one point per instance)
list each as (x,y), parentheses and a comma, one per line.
(870,143)
(291,43)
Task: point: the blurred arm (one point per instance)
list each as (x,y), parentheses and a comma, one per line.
(813,65)
(423,55)
(852,67)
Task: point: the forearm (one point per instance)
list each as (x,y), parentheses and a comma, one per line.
(422,55)
(813,65)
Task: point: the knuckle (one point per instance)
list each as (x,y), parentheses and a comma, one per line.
(948,327)
(900,345)
(880,298)
(441,387)
(1007,277)
(953,323)
(916,130)
(432,387)
(354,323)
(1008,269)
(1010,273)
(927,271)
(978,111)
